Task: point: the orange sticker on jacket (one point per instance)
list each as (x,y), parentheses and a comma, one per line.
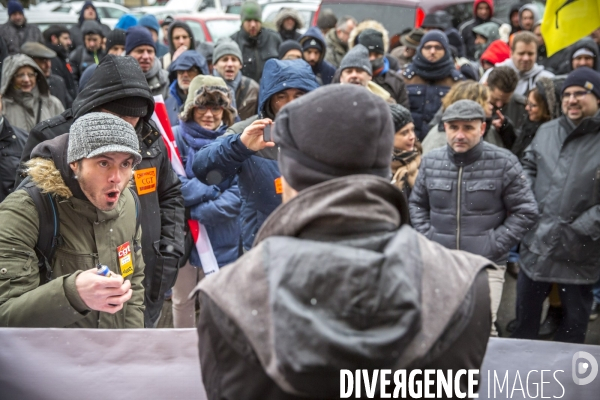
(125,260)
(278,186)
(145,180)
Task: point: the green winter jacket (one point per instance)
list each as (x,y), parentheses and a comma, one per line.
(89,236)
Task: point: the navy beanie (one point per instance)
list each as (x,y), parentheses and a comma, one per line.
(436,36)
(14,7)
(138,36)
(586,78)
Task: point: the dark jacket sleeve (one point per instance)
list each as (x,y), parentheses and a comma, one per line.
(418,204)
(520,204)
(220,160)
(220,210)
(529,162)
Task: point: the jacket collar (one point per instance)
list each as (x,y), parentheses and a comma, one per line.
(351,206)
(466,158)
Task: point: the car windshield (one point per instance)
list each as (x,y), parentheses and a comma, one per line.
(219,28)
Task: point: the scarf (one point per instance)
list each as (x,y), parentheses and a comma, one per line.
(154,70)
(196,138)
(405,165)
(442,68)
(380,66)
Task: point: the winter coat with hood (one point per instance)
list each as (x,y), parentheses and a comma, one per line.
(76,31)
(479,201)
(353,40)
(564,246)
(313,298)
(488,30)
(466,29)
(387,78)
(257,50)
(323,71)
(61,66)
(284,14)
(90,236)
(567,66)
(187,60)
(25,109)
(81,57)
(336,49)
(166,60)
(256,171)
(530,7)
(15,36)
(527,79)
(164,231)
(12,141)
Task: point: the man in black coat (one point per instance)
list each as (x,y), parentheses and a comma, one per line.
(12,140)
(119,87)
(58,39)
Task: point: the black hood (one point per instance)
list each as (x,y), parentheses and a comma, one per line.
(585,43)
(180,24)
(115,78)
(56,150)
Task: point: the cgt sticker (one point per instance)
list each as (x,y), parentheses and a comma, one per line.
(145,180)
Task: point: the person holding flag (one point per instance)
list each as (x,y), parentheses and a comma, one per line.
(207,114)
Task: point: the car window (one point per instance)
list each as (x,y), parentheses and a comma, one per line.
(219,28)
(394,18)
(110,12)
(196,30)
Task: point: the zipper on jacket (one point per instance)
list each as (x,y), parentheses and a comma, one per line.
(460,169)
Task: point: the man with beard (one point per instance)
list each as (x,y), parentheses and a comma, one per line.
(140,45)
(16,30)
(256,42)
(58,39)
(472,195)
(85,174)
(313,52)
(382,75)
(119,87)
(227,59)
(483,11)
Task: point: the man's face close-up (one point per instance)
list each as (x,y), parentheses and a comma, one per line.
(583,61)
(228,67)
(252,27)
(433,51)
(144,55)
(312,56)
(93,41)
(45,65)
(464,135)
(65,40)
(180,38)
(344,34)
(483,11)
(355,76)
(578,103)
(524,56)
(184,78)
(498,98)
(280,99)
(527,20)
(17,18)
(89,13)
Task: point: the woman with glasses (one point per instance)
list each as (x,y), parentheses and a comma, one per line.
(206,115)
(26,98)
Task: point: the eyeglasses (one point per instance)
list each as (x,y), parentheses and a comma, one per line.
(531,105)
(580,94)
(213,109)
(435,47)
(28,75)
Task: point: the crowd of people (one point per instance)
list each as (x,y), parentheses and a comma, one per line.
(334,171)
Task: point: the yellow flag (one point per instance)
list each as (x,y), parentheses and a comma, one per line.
(567,21)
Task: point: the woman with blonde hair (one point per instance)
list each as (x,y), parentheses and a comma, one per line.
(465,90)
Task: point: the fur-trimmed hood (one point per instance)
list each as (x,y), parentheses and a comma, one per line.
(286,13)
(369,25)
(47,177)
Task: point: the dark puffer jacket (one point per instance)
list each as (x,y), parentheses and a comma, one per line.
(227,156)
(479,201)
(12,141)
(563,166)
(257,50)
(163,232)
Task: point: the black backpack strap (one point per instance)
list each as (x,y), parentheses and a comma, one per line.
(49,228)
(138,219)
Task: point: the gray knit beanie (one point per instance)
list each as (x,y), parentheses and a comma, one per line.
(226,47)
(400,116)
(98,133)
(357,57)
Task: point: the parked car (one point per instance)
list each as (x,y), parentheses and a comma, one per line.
(109,13)
(43,18)
(396,15)
(210,27)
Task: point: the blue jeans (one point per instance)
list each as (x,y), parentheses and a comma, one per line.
(513,255)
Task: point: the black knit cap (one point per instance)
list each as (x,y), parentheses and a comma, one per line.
(115,37)
(372,40)
(400,116)
(287,46)
(331,132)
(127,106)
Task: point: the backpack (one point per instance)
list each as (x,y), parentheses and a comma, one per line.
(49,237)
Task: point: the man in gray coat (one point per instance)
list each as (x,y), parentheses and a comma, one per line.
(16,30)
(472,195)
(564,247)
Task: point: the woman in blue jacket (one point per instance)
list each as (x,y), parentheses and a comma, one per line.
(205,117)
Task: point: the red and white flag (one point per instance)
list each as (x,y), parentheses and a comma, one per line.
(198,231)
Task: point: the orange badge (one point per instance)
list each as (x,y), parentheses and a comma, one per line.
(145,180)
(278,186)
(125,260)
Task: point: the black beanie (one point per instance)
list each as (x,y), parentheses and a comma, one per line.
(585,77)
(400,116)
(334,131)
(372,40)
(287,46)
(127,106)
(115,37)
(312,43)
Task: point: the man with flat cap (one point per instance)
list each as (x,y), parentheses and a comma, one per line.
(337,279)
(43,56)
(472,195)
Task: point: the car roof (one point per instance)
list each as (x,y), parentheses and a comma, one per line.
(45,16)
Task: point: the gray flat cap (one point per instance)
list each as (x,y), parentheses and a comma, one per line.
(37,50)
(463,110)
